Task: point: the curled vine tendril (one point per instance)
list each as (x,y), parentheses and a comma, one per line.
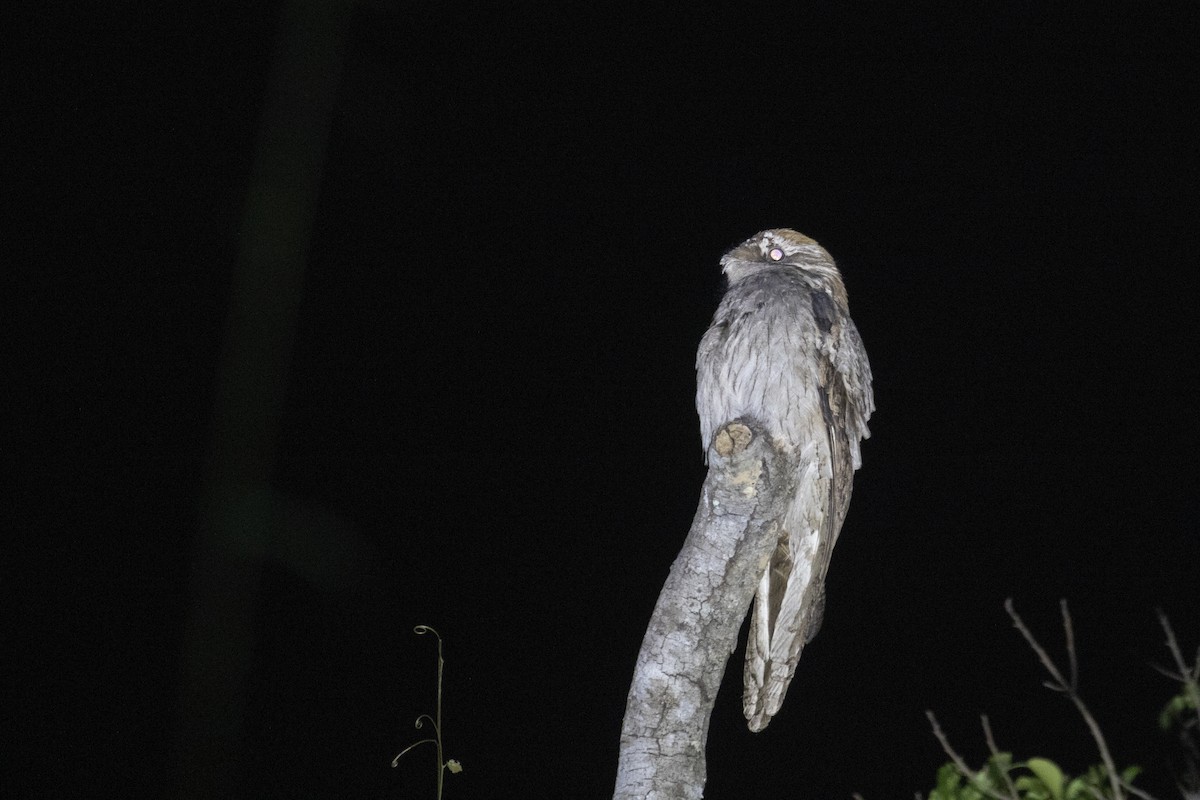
(435,721)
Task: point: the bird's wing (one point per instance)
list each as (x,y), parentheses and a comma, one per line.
(791,595)
(790,600)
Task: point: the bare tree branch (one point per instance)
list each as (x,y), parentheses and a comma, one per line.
(995,751)
(1069,635)
(1187,769)
(959,762)
(1070,688)
(1188,675)
(695,624)
(1129,787)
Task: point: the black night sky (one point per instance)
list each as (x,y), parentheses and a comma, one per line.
(481,415)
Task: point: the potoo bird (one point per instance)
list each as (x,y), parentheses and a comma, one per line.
(783,350)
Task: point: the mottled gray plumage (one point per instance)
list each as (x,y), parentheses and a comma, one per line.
(782,349)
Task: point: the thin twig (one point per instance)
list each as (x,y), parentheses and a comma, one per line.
(1069,635)
(1129,787)
(1176,651)
(1113,778)
(995,751)
(1166,673)
(1188,676)
(1060,684)
(959,762)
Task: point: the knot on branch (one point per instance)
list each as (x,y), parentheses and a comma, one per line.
(733,438)
(743,456)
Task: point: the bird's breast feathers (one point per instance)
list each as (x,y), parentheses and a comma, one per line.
(772,340)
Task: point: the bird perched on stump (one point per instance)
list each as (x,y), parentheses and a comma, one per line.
(782,350)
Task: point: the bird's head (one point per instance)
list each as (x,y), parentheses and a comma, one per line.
(784,247)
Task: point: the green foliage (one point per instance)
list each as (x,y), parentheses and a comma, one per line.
(1048,782)
(1042,779)
(951,785)
(1179,707)
(1034,779)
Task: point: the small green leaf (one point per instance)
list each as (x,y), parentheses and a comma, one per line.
(1171,711)
(1031,788)
(1178,706)
(947,783)
(1049,774)
(982,780)
(996,768)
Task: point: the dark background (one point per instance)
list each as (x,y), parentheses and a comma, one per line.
(480,416)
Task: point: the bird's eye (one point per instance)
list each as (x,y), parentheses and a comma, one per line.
(775,254)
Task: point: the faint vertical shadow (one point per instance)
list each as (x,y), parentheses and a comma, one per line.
(218,645)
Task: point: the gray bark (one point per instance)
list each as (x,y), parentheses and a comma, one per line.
(695,624)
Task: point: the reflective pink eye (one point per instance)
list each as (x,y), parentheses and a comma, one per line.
(775,253)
